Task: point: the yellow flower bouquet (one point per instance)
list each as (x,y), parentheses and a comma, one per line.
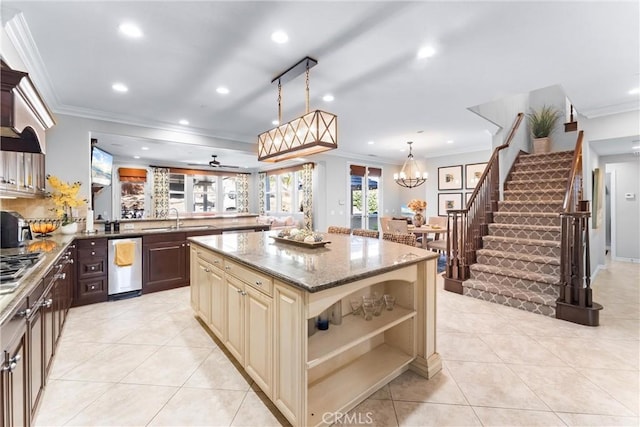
(64,197)
(417,205)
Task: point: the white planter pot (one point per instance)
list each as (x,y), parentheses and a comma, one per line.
(69,228)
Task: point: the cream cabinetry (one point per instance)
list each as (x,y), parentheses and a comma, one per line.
(312,377)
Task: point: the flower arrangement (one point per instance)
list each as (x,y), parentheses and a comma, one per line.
(417,205)
(64,197)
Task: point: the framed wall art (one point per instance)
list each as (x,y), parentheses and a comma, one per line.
(448,201)
(472,173)
(467,196)
(450,178)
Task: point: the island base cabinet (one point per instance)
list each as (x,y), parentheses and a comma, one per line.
(259,338)
(235,318)
(289,392)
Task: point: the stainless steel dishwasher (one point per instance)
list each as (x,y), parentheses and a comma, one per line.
(125,268)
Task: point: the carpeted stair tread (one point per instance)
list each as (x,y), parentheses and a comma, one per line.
(529,202)
(529,173)
(519,256)
(535,157)
(526,227)
(532,242)
(511,292)
(519,274)
(562,181)
(528,214)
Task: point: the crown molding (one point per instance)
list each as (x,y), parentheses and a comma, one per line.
(20,36)
(607,110)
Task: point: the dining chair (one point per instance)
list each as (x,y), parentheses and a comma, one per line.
(397,226)
(366,233)
(333,229)
(404,238)
(384,223)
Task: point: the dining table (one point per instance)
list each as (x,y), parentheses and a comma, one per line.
(425,230)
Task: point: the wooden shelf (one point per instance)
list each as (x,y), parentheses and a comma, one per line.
(354,381)
(323,345)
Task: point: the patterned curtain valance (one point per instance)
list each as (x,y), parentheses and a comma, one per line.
(160,192)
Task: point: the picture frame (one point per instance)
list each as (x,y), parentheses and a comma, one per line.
(472,174)
(448,201)
(450,177)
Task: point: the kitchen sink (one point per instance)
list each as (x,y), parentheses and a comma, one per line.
(182,228)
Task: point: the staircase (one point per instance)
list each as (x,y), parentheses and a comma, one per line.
(519,262)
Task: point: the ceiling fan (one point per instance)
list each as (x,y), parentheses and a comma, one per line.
(215,163)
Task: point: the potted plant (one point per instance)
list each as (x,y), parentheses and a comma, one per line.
(65,197)
(541,124)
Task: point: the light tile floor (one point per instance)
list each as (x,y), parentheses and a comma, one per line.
(147,361)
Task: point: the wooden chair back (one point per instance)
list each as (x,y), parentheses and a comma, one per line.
(398,226)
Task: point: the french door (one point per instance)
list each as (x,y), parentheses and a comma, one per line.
(365,196)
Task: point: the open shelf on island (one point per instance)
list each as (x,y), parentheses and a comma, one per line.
(360,378)
(324,345)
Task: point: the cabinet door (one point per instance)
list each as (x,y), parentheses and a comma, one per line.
(204,290)
(218,302)
(258,354)
(289,381)
(36,357)
(235,318)
(163,263)
(193,274)
(48,328)
(14,383)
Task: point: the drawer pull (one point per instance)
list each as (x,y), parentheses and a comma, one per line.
(93,267)
(227,267)
(216,261)
(243,293)
(207,270)
(61,276)
(25,312)
(239,291)
(13,362)
(258,283)
(93,253)
(93,243)
(47,303)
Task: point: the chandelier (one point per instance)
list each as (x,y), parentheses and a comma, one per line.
(410,175)
(311,133)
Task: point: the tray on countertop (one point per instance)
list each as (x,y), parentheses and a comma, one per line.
(302,244)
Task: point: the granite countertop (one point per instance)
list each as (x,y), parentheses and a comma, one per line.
(55,245)
(345,259)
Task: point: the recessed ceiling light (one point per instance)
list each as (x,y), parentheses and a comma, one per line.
(130,30)
(119,87)
(450,141)
(279,37)
(144,148)
(426,52)
(184,122)
(328,98)
(275,122)
(636,147)
(136,157)
(634,91)
(222,90)
(371,142)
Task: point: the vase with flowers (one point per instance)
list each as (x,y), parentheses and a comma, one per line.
(417,206)
(65,197)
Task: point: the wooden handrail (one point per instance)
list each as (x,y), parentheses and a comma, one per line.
(466,227)
(495,154)
(576,170)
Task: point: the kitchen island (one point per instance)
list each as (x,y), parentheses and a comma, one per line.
(260,298)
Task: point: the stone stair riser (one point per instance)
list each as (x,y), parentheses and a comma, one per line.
(530,207)
(511,302)
(517,264)
(533,196)
(529,285)
(539,174)
(526,220)
(536,185)
(524,234)
(528,167)
(521,248)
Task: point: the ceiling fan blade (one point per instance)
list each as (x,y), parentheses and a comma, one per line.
(229,166)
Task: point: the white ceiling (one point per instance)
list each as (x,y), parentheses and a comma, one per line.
(366,54)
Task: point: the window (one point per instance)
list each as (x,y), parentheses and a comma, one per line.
(193,192)
(230,193)
(131,199)
(177,192)
(204,193)
(284,191)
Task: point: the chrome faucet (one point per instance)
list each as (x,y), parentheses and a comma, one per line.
(177,217)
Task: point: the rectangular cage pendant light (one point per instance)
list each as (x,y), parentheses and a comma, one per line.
(311,133)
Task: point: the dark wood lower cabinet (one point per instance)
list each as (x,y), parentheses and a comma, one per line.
(164,262)
(14,375)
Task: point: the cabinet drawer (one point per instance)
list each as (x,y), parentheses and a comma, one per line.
(213,259)
(92,243)
(257,280)
(98,252)
(89,287)
(88,267)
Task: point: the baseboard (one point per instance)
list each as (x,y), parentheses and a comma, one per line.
(633,260)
